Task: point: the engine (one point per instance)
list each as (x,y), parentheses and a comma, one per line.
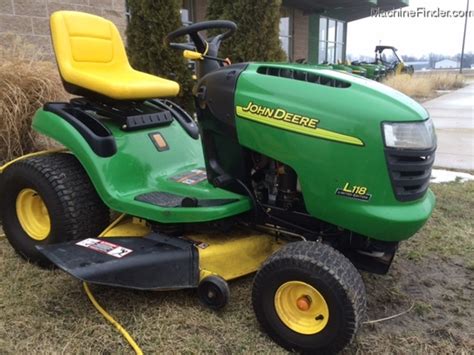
(274,183)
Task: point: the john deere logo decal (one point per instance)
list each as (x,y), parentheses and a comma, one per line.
(281,118)
(281,115)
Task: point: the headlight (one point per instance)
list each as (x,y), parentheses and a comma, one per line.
(410,135)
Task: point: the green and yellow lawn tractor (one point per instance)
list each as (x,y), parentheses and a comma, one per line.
(356,69)
(300,174)
(342,68)
(373,71)
(338,67)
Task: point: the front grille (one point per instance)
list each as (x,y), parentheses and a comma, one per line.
(410,171)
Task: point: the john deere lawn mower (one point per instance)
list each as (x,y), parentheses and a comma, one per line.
(373,71)
(300,174)
(356,69)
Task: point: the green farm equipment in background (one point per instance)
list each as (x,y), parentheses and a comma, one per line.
(341,67)
(389,58)
(347,68)
(358,70)
(387,62)
(373,71)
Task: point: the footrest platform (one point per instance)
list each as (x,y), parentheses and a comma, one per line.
(150,263)
(166,199)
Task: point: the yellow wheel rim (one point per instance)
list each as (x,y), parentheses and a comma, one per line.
(33,214)
(301,307)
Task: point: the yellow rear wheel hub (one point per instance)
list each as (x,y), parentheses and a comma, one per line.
(33,214)
(301,307)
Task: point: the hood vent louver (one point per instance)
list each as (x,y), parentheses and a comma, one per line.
(303,75)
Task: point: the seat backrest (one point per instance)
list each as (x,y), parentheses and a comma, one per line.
(87,42)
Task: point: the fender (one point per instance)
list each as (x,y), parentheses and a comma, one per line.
(138,167)
(62,131)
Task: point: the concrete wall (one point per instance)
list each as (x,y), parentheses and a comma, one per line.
(29,19)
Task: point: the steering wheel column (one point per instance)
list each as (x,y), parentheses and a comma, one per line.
(204,52)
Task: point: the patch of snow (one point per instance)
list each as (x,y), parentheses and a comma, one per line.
(439,176)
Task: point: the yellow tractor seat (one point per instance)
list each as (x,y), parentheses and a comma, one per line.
(91,56)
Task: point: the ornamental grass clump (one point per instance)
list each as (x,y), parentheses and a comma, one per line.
(26,83)
(425,86)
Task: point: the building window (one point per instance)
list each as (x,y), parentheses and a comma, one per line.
(331,40)
(323,28)
(286,32)
(186,12)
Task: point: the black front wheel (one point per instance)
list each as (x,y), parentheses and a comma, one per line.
(309,298)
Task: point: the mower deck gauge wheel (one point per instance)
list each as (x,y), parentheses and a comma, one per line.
(214,292)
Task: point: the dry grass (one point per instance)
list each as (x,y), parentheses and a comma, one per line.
(425,86)
(47,311)
(25,85)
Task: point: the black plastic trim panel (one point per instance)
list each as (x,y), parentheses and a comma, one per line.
(410,171)
(303,75)
(147,120)
(169,200)
(183,118)
(216,91)
(98,136)
(130,115)
(154,262)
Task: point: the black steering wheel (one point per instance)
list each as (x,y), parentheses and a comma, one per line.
(193,31)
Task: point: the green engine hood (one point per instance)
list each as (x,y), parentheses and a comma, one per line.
(343,149)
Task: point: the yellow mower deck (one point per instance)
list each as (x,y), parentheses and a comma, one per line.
(130,254)
(229,256)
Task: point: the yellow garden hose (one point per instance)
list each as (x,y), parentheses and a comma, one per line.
(30,155)
(107,316)
(390,317)
(117,325)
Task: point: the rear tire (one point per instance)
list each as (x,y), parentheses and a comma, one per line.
(309,298)
(49,199)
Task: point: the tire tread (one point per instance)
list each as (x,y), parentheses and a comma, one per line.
(79,211)
(321,259)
